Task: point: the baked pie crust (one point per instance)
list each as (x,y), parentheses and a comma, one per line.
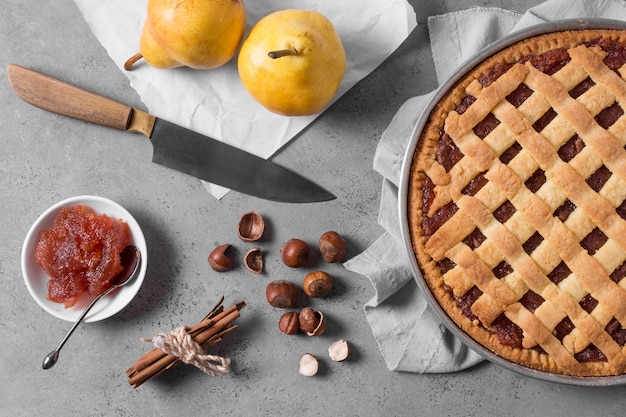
(516,203)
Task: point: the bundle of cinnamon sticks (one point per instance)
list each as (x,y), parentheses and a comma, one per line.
(209,331)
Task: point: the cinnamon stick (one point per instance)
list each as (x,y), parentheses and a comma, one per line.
(206,333)
(155,354)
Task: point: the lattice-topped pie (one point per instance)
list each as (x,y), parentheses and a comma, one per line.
(517,201)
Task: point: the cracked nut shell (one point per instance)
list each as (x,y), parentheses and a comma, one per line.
(254,260)
(251,227)
(312,322)
(219,258)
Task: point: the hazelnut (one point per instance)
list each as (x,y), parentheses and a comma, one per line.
(295,253)
(308,365)
(332,247)
(339,350)
(251,227)
(317,284)
(312,322)
(254,260)
(219,258)
(289,323)
(308,320)
(282,294)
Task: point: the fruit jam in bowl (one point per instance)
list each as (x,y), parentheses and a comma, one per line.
(69,255)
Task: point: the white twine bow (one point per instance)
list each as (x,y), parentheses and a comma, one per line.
(180,344)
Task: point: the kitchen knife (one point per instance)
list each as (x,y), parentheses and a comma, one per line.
(174,146)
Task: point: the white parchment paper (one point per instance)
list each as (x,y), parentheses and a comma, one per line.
(214,102)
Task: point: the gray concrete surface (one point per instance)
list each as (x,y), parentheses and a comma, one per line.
(46,158)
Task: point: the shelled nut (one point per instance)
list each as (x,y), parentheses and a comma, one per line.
(308,365)
(339,350)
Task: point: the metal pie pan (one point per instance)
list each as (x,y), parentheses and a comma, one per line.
(462,71)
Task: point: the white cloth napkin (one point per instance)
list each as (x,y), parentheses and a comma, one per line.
(214,102)
(411,338)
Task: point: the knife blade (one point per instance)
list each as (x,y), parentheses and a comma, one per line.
(174,146)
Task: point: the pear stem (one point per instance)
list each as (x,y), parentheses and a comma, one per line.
(282,52)
(128,65)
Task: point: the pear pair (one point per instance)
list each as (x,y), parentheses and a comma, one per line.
(292,61)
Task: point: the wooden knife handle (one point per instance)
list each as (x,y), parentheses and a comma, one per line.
(61,98)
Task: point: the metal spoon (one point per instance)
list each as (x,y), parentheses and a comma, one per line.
(130,260)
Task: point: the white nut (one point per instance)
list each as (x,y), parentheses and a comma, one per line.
(339,350)
(308,365)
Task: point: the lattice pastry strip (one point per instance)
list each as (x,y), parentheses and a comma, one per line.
(586,162)
(596,99)
(579,224)
(558,131)
(534,107)
(519,227)
(546,257)
(614,191)
(500,139)
(610,256)
(618,130)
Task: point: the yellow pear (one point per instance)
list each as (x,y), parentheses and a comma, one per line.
(292,62)
(201,34)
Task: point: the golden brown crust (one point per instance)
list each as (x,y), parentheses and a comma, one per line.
(590,273)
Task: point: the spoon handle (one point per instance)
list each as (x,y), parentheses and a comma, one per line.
(82,316)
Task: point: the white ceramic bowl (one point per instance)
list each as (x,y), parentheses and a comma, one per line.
(36,279)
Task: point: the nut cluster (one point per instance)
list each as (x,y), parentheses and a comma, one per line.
(284,294)
(250,229)
(308,364)
(308,321)
(294,253)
